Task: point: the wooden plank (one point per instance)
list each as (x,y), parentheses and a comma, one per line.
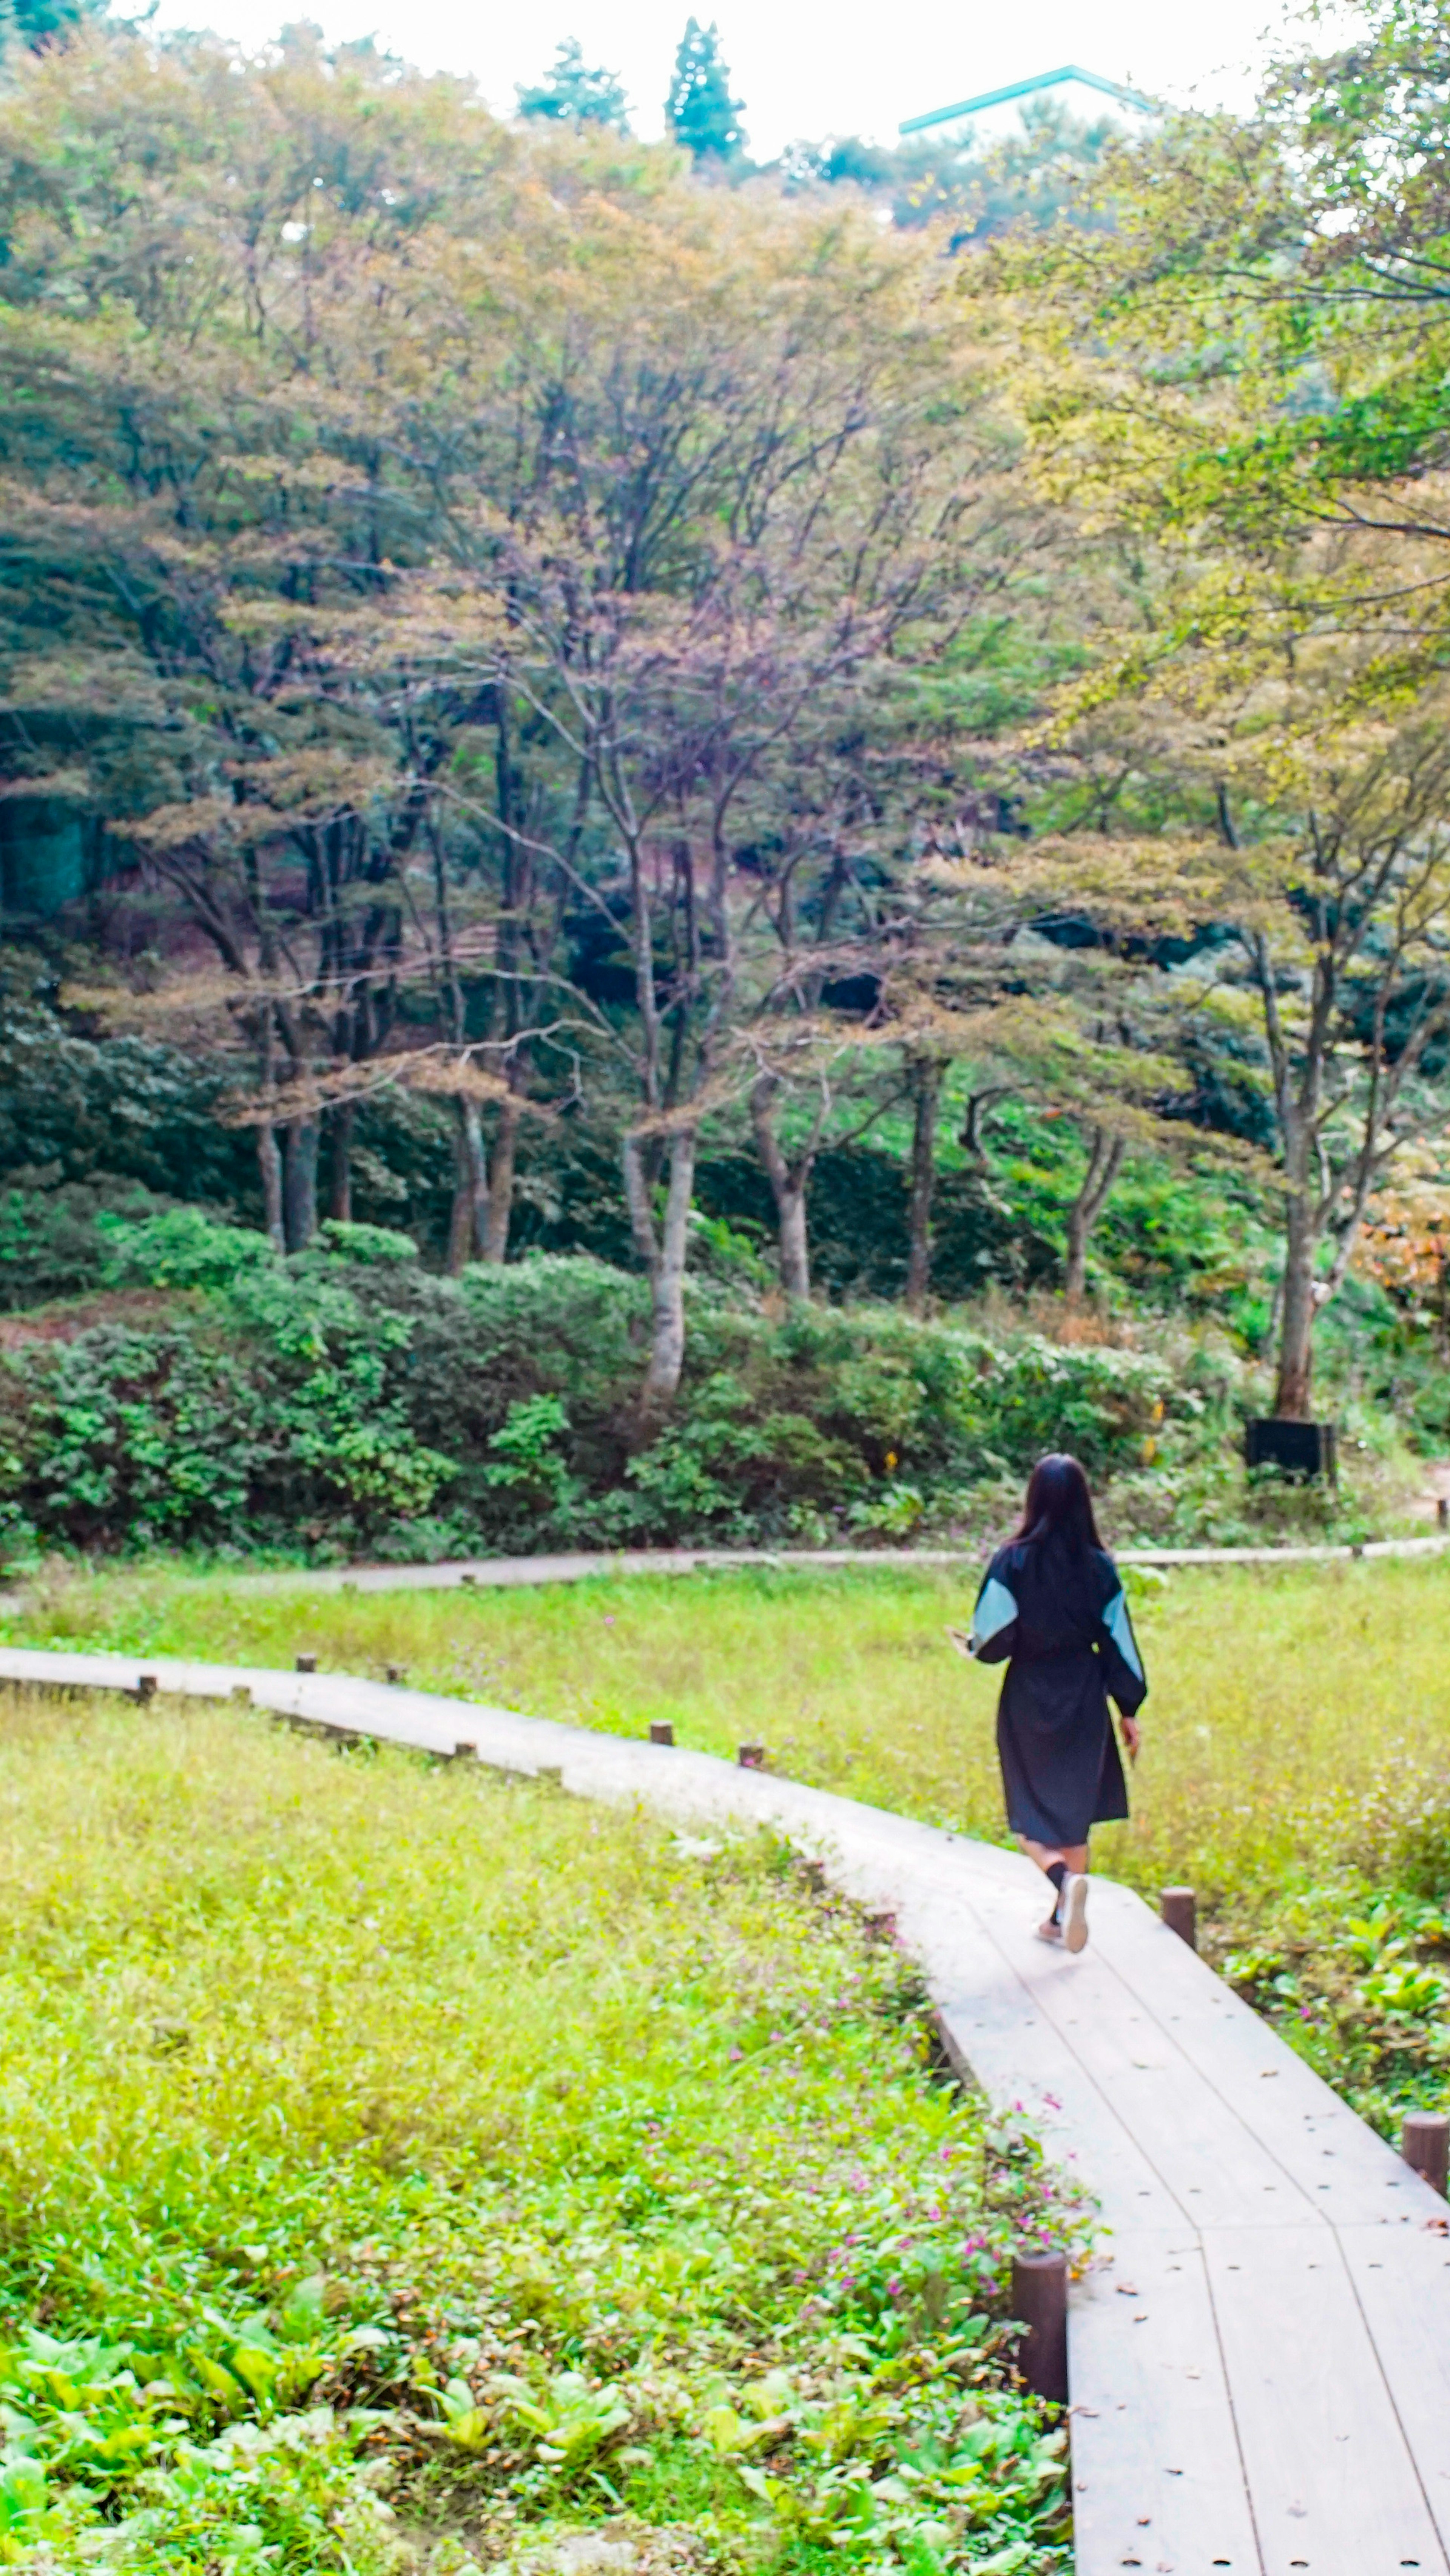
(1351,2175)
(1157,2480)
(1333,2486)
(992,2027)
(1219,2172)
(1402,2280)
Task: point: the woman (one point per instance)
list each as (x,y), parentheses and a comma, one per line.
(1051,1608)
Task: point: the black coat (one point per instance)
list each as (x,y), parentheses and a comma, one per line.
(1057,1618)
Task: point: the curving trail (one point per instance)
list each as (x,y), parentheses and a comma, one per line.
(1260,2361)
(492,1572)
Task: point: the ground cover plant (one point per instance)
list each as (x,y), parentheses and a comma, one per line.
(400,2163)
(1296,1744)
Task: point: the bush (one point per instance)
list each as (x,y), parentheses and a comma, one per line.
(348,1398)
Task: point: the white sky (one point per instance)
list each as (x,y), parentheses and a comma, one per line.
(802,70)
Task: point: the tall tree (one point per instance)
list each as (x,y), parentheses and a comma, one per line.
(699,111)
(574,94)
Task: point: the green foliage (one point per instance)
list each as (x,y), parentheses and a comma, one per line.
(182,1248)
(333,1398)
(79,1109)
(699,111)
(627,2190)
(53,1242)
(38,23)
(574,94)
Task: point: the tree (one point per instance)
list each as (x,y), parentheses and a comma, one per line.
(39,23)
(574,94)
(699,111)
(1327,898)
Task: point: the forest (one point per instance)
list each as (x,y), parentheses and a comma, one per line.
(691,850)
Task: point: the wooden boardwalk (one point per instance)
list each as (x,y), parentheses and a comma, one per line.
(495,1572)
(1260,2362)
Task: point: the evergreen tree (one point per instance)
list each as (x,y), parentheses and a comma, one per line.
(575,94)
(700,111)
(37,23)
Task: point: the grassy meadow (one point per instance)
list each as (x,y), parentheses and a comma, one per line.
(1296,1767)
(396,2160)
(1291,1709)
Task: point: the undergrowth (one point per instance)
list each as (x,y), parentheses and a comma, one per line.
(396,2162)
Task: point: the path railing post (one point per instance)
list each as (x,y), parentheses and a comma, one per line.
(661,1731)
(1425,2144)
(1179,1909)
(1039,2301)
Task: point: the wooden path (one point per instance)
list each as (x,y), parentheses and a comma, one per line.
(495,1572)
(1260,2365)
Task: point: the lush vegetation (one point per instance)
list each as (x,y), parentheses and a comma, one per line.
(346,1400)
(397,2160)
(1293,1771)
(546,695)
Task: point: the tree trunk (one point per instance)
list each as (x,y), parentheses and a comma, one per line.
(665,1256)
(339,1178)
(1105,1159)
(300,1140)
(795,1255)
(500,1192)
(667,1344)
(470,1191)
(789,1183)
(926,1082)
(269,1163)
(1296,1321)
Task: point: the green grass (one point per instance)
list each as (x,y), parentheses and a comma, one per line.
(1286,1702)
(393,2158)
(1297,1732)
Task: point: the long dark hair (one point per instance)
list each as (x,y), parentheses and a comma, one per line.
(1059,1504)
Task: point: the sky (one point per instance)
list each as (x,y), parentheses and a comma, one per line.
(803,70)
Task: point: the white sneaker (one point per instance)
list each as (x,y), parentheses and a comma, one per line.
(1074,1912)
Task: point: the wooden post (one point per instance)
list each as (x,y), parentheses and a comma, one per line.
(1425,2144)
(661,1731)
(1039,2299)
(307,1663)
(1179,1909)
(145,1686)
(395,1673)
(1442,1510)
(751,1757)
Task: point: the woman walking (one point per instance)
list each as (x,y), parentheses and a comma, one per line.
(1051,1608)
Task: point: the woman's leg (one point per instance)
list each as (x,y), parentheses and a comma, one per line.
(1058,1863)
(1073,1856)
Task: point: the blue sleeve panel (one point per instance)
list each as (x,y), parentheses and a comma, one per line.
(1123,1677)
(996,1609)
(1120,1628)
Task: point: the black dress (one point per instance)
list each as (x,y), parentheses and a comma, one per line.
(1060,1616)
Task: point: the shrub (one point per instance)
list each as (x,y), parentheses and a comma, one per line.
(348,1398)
